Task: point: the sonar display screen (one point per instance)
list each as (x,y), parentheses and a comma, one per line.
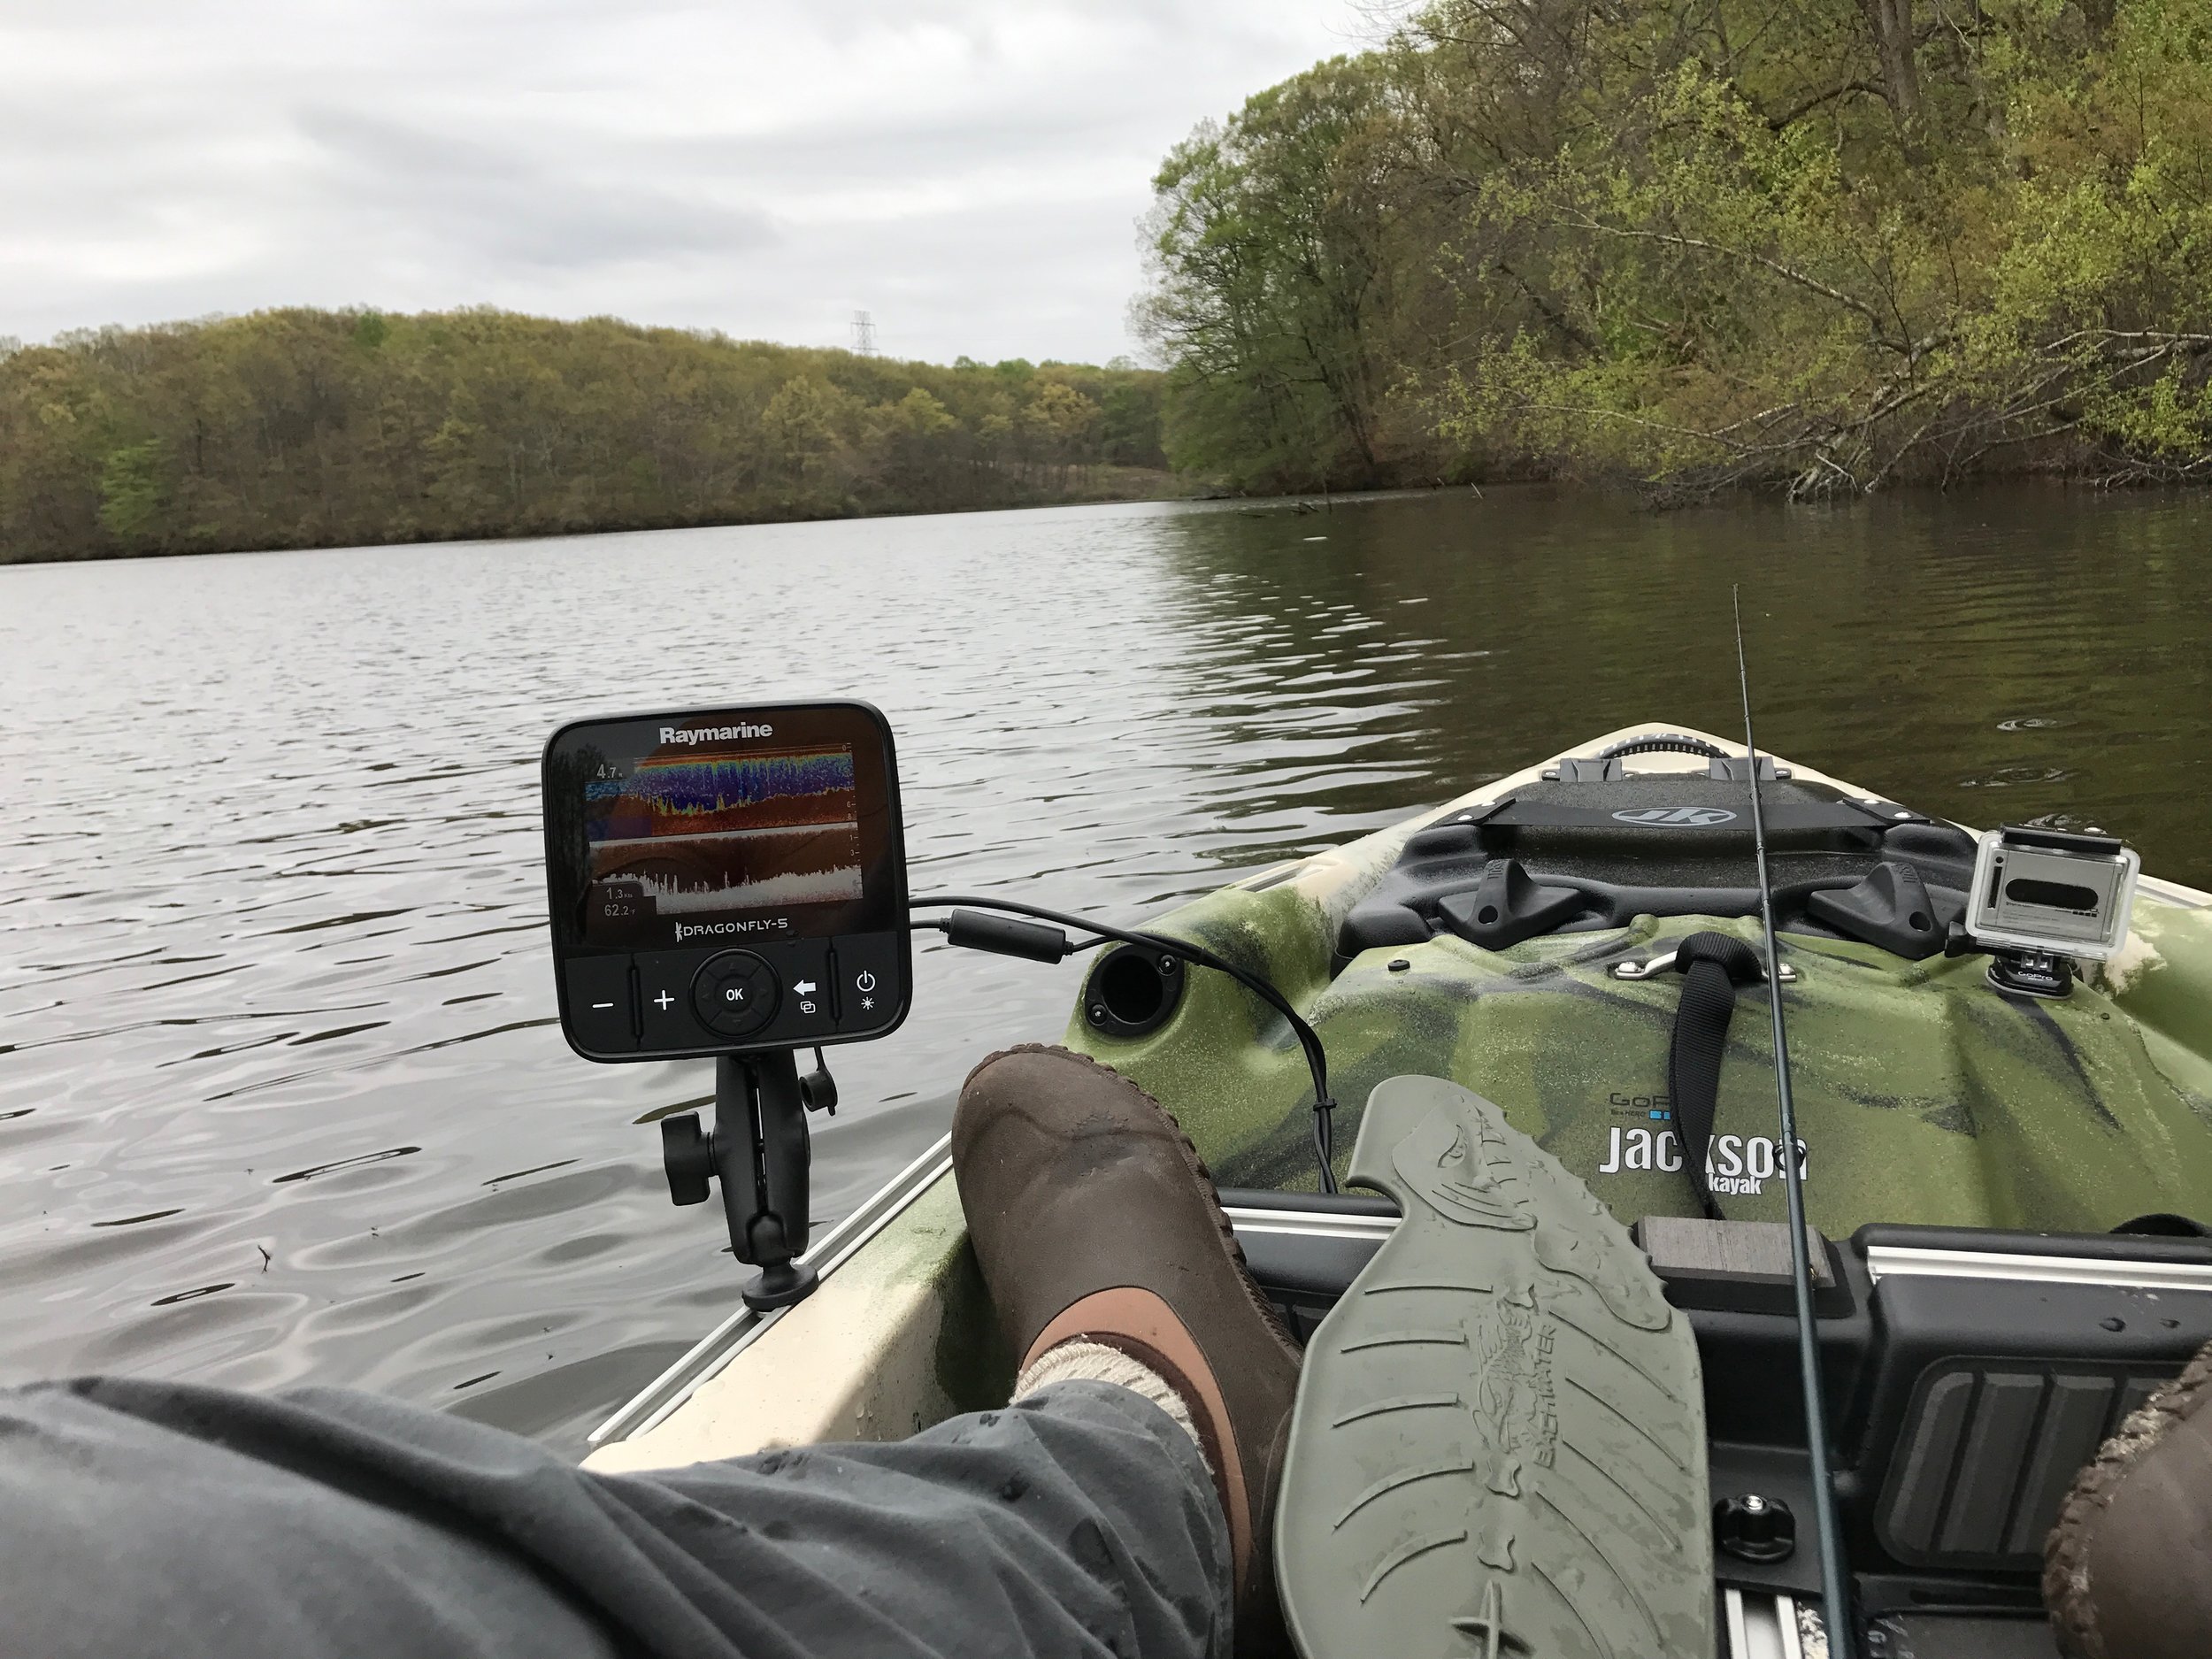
(697,847)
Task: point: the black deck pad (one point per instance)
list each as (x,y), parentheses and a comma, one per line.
(1499,1443)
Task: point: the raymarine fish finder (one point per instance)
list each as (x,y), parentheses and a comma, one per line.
(723,880)
(729,883)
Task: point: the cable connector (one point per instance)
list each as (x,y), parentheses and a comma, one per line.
(1005,936)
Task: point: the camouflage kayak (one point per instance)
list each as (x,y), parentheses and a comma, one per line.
(1923,1094)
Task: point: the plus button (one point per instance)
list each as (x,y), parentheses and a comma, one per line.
(662,1000)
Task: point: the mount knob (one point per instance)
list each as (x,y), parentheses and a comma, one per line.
(688,1155)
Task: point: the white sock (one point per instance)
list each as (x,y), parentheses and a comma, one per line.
(1079,1361)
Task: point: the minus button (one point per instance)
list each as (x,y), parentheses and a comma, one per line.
(599,1020)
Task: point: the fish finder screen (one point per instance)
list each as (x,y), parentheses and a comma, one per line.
(682,838)
(712,828)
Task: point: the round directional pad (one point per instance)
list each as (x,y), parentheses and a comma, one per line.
(735,994)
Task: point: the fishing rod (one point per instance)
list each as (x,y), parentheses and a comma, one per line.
(1834,1578)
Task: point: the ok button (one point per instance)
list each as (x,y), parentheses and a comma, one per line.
(735,994)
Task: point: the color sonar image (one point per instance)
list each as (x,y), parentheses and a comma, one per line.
(695,834)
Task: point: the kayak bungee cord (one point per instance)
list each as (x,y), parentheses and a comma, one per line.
(1047,944)
(1834,1579)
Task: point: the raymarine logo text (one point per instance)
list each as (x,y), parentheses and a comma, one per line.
(714,733)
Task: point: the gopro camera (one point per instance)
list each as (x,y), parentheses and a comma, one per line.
(2051,891)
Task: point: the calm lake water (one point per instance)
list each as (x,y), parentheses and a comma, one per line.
(281,1094)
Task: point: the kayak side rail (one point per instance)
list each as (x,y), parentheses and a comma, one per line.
(2174,893)
(2132,1271)
(654,1404)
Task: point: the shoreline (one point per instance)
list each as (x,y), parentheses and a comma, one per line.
(542,532)
(1633,498)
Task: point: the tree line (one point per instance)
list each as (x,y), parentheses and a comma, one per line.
(1816,245)
(302,428)
(1822,246)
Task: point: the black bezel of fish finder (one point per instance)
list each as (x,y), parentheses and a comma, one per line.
(645,996)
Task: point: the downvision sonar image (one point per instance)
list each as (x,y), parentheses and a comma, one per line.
(701,835)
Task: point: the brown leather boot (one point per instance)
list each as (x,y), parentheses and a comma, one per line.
(2127,1571)
(1090,1216)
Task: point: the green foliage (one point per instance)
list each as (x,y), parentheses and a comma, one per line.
(1282,300)
(318,428)
(1824,244)
(132,481)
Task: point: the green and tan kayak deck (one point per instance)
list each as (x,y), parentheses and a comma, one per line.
(1967,1153)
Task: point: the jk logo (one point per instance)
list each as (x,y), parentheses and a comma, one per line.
(1690,817)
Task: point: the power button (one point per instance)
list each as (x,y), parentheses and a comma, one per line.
(871,998)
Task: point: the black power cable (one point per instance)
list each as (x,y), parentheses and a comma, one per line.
(1316,1061)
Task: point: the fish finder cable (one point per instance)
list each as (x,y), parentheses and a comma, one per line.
(1049,945)
(1834,1579)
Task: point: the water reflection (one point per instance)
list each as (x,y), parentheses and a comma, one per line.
(280,1097)
(2046,641)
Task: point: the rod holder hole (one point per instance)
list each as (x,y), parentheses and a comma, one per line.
(1133,991)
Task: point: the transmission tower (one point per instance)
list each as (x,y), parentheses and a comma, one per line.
(864,334)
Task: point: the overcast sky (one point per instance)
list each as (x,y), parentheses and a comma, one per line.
(968,171)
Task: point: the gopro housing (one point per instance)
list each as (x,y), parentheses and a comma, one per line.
(2051,891)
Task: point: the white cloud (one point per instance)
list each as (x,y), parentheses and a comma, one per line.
(969,171)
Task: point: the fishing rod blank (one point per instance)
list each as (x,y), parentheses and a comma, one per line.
(1834,1578)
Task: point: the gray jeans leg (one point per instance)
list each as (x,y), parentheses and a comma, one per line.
(161,1518)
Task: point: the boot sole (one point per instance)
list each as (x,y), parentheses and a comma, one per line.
(1500,1432)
